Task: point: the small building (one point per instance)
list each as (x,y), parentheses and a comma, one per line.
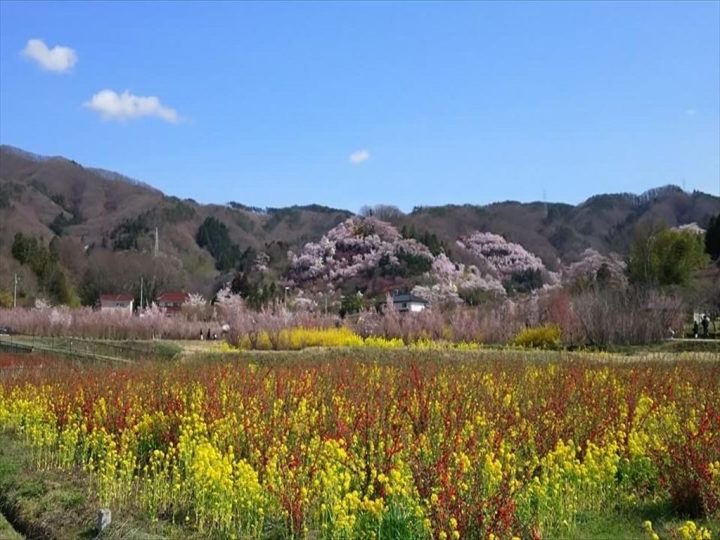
(117,303)
(172,301)
(408,302)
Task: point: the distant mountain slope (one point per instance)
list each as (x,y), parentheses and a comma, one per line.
(104,222)
(556,231)
(97,212)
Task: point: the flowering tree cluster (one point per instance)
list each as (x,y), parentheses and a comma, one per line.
(455,281)
(152,323)
(594,267)
(196,307)
(363,247)
(502,257)
(228,301)
(613,315)
(355,247)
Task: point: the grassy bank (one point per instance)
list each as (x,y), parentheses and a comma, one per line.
(55,503)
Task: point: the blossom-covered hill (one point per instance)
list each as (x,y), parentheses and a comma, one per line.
(371,256)
(364,251)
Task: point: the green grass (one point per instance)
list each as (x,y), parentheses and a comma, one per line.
(102,349)
(53,503)
(6,530)
(627,524)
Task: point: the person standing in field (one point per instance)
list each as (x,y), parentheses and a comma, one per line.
(706,325)
(696,329)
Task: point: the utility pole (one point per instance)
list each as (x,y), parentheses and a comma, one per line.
(141,292)
(15,282)
(157,243)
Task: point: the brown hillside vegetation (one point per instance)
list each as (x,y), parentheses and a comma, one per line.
(103,222)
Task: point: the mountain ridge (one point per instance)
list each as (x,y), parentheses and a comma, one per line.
(101,219)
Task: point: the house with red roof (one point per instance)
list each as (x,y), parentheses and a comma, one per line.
(172,301)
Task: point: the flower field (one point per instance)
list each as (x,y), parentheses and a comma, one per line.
(413,446)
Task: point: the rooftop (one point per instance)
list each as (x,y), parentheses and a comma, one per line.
(173,296)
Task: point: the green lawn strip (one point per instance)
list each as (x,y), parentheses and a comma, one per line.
(7,531)
(627,524)
(117,350)
(54,503)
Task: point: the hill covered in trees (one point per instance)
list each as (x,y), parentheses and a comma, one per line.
(85,231)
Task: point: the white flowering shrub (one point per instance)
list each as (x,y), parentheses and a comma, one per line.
(261,263)
(59,320)
(195,300)
(228,301)
(42,303)
(196,307)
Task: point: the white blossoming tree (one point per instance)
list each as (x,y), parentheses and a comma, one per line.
(356,247)
(593,267)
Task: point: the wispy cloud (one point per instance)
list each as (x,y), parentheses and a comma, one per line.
(59,59)
(126,106)
(357,157)
(691,112)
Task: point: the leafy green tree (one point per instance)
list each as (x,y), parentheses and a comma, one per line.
(524,281)
(213,235)
(89,289)
(351,303)
(254,290)
(712,238)
(6,299)
(662,256)
(44,263)
(22,248)
(127,234)
(430,240)
(474,297)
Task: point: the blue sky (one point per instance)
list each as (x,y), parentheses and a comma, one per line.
(446,102)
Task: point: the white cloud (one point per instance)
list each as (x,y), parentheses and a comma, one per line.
(359,156)
(691,112)
(59,59)
(127,106)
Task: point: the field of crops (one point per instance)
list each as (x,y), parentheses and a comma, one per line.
(389,445)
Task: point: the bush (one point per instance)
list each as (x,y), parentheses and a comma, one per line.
(6,299)
(541,337)
(166,351)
